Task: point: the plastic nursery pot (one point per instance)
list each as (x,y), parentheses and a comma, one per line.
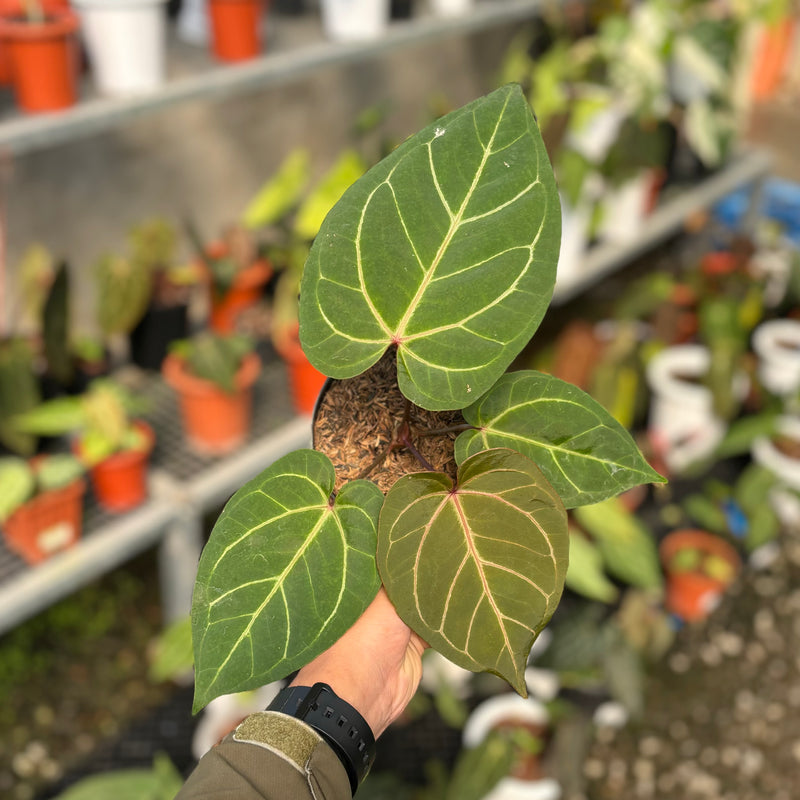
(305,380)
(699,567)
(120,481)
(236,28)
(354,20)
(214,421)
(44,59)
(777,345)
(126,44)
(506,711)
(772,54)
(47,524)
(151,338)
(243,294)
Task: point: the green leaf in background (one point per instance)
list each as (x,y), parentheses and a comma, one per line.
(447,248)
(18,482)
(56,327)
(583,451)
(281,551)
(161,782)
(476,569)
(585,574)
(348,168)
(281,193)
(628,547)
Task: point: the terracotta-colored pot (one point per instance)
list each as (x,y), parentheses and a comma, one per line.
(120,481)
(772,53)
(44,60)
(47,524)
(692,594)
(305,380)
(243,294)
(214,421)
(236,28)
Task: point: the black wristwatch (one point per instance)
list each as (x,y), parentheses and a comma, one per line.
(339,724)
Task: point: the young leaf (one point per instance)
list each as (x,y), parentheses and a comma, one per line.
(476,569)
(626,544)
(447,248)
(583,451)
(285,573)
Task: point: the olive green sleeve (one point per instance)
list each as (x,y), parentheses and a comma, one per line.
(270,756)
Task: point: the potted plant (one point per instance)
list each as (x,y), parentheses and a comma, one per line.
(41,508)
(425,281)
(699,567)
(39,39)
(234,271)
(126,44)
(293,216)
(152,245)
(213,376)
(114,445)
(19,392)
(524,723)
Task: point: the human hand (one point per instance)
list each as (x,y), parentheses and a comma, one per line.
(375,666)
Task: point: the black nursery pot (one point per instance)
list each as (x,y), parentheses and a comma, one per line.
(151,338)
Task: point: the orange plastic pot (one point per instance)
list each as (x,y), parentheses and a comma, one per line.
(214,421)
(236,28)
(47,524)
(243,294)
(305,380)
(772,53)
(44,60)
(693,595)
(120,481)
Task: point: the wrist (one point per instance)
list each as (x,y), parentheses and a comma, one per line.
(336,721)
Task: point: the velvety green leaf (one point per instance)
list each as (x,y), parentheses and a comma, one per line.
(585,574)
(447,248)
(284,574)
(628,547)
(476,569)
(582,450)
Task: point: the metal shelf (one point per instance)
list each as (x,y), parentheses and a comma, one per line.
(296,49)
(183,486)
(749,167)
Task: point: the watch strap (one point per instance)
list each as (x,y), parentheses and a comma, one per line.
(339,724)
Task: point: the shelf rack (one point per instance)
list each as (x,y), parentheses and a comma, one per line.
(748,168)
(185,486)
(297,49)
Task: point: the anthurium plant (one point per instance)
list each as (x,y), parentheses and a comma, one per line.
(441,258)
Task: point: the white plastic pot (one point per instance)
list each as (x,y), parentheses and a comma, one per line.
(126,44)
(784,498)
(488,715)
(777,345)
(625,208)
(354,20)
(682,424)
(192,24)
(451,8)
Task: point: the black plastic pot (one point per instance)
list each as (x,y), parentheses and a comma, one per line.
(150,339)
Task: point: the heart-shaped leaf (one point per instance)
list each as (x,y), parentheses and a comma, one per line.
(476,569)
(447,248)
(583,451)
(284,574)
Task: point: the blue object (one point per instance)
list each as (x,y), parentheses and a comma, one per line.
(780,201)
